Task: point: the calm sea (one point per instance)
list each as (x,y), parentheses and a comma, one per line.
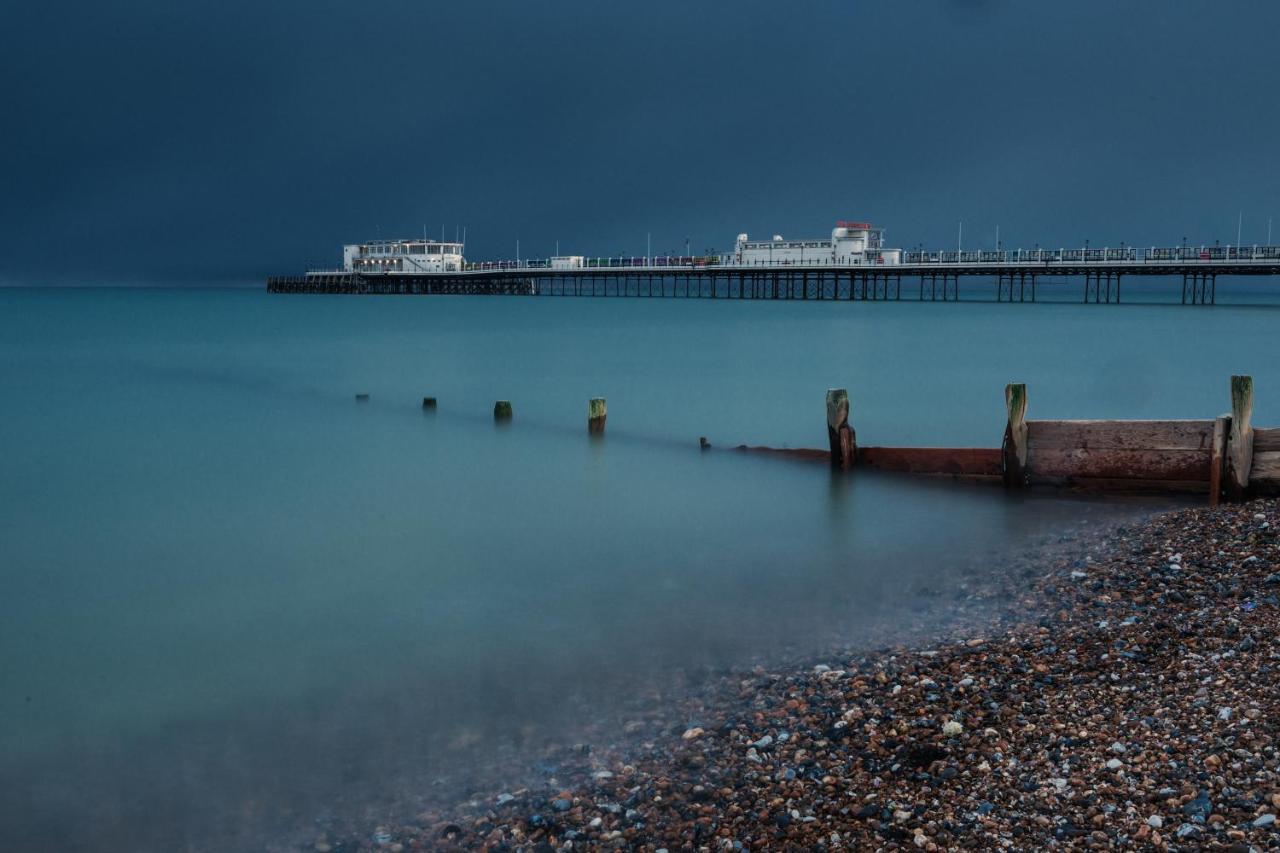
(235,601)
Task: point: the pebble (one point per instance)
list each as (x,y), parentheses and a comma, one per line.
(1129,642)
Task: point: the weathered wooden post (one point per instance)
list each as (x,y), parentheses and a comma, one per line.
(362,398)
(841,436)
(703,444)
(596,414)
(1218,457)
(502,410)
(429,403)
(1013,452)
(1240,442)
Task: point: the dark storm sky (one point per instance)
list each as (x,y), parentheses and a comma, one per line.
(223,141)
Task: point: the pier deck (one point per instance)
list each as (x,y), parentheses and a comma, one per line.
(918,280)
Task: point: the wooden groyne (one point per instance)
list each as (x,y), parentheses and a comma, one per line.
(1223,457)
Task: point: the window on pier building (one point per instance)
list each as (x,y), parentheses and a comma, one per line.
(417,249)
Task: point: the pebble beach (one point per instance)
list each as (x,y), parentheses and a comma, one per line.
(1122,696)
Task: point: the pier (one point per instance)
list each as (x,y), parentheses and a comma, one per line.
(1089,275)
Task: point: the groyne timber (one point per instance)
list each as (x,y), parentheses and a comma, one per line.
(1089,275)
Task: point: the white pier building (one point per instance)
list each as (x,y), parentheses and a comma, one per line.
(402,256)
(851,244)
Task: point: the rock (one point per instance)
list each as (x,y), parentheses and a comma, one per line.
(1198,809)
(1189,830)
(1155,821)
(1118,748)
(691,734)
(952,728)
(763,743)
(1115,764)
(1264,820)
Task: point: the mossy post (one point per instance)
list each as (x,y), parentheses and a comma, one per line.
(502,410)
(1240,442)
(1013,453)
(841,436)
(596,414)
(429,403)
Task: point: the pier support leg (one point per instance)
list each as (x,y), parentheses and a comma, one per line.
(1013,451)
(839,433)
(1240,441)
(597,412)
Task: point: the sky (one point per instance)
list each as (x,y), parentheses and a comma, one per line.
(221,141)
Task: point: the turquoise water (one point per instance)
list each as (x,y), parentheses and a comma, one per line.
(225,579)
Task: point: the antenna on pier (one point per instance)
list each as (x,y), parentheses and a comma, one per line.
(464,236)
(1239,227)
(959,236)
(441,233)
(997,238)
(1268,232)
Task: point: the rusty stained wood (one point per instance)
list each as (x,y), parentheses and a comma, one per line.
(1120,435)
(1217,458)
(956,461)
(1053,466)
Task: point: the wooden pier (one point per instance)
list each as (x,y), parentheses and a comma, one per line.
(923,280)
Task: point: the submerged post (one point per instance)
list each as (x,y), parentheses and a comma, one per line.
(839,433)
(429,403)
(502,410)
(1240,442)
(596,414)
(362,398)
(1013,452)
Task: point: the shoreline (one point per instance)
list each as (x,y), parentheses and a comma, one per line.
(1121,699)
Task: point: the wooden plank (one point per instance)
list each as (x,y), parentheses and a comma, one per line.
(1266,440)
(1266,467)
(1048,465)
(1124,485)
(1120,435)
(958,461)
